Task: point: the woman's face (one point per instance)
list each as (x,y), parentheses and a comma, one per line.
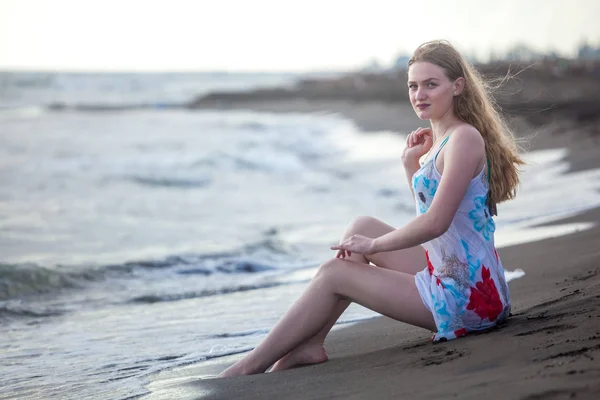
(431,92)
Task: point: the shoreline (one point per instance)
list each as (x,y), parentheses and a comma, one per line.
(547,349)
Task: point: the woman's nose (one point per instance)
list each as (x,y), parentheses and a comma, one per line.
(420,94)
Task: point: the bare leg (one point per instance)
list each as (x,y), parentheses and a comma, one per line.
(388,292)
(409,261)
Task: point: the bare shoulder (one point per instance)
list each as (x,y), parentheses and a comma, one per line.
(466,138)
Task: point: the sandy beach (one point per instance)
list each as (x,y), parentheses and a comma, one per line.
(549,349)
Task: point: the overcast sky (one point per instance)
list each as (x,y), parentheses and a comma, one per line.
(278,35)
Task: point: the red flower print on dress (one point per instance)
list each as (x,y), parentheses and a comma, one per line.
(460,332)
(484,299)
(430,269)
(429,264)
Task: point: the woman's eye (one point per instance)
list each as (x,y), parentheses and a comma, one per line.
(412,86)
(431,84)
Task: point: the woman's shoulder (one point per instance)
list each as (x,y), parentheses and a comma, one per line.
(466,136)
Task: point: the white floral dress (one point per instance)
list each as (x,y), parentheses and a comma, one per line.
(463,285)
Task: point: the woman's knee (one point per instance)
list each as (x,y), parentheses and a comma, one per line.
(362,224)
(330,271)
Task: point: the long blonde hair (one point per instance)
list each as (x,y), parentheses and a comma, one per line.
(477,107)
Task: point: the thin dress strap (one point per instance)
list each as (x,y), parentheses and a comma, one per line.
(440,148)
(489,167)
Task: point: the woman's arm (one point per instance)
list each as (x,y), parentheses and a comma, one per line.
(462,157)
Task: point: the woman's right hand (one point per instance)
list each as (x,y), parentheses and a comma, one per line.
(418,143)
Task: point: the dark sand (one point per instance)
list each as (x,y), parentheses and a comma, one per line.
(549,349)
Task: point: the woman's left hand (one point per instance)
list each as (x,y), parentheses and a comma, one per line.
(355,243)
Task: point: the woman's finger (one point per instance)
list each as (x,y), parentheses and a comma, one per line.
(418,135)
(342,252)
(418,139)
(422,131)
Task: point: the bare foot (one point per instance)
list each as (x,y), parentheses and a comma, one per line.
(305,355)
(237,369)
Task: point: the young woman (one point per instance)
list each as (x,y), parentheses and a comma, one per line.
(441,270)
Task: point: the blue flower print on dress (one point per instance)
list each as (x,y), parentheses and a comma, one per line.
(441,312)
(459,295)
(431,185)
(424,188)
(482,221)
(422,208)
(415,179)
(474,264)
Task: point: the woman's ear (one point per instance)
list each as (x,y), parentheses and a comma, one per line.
(459,86)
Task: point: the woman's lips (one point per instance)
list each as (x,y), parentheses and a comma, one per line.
(422,106)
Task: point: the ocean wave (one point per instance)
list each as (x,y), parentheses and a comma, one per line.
(23,280)
(151,298)
(248,259)
(215,352)
(22,112)
(242,333)
(268,160)
(253,126)
(15,310)
(170,182)
(18,280)
(110,107)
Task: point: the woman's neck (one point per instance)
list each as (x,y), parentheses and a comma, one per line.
(441,127)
